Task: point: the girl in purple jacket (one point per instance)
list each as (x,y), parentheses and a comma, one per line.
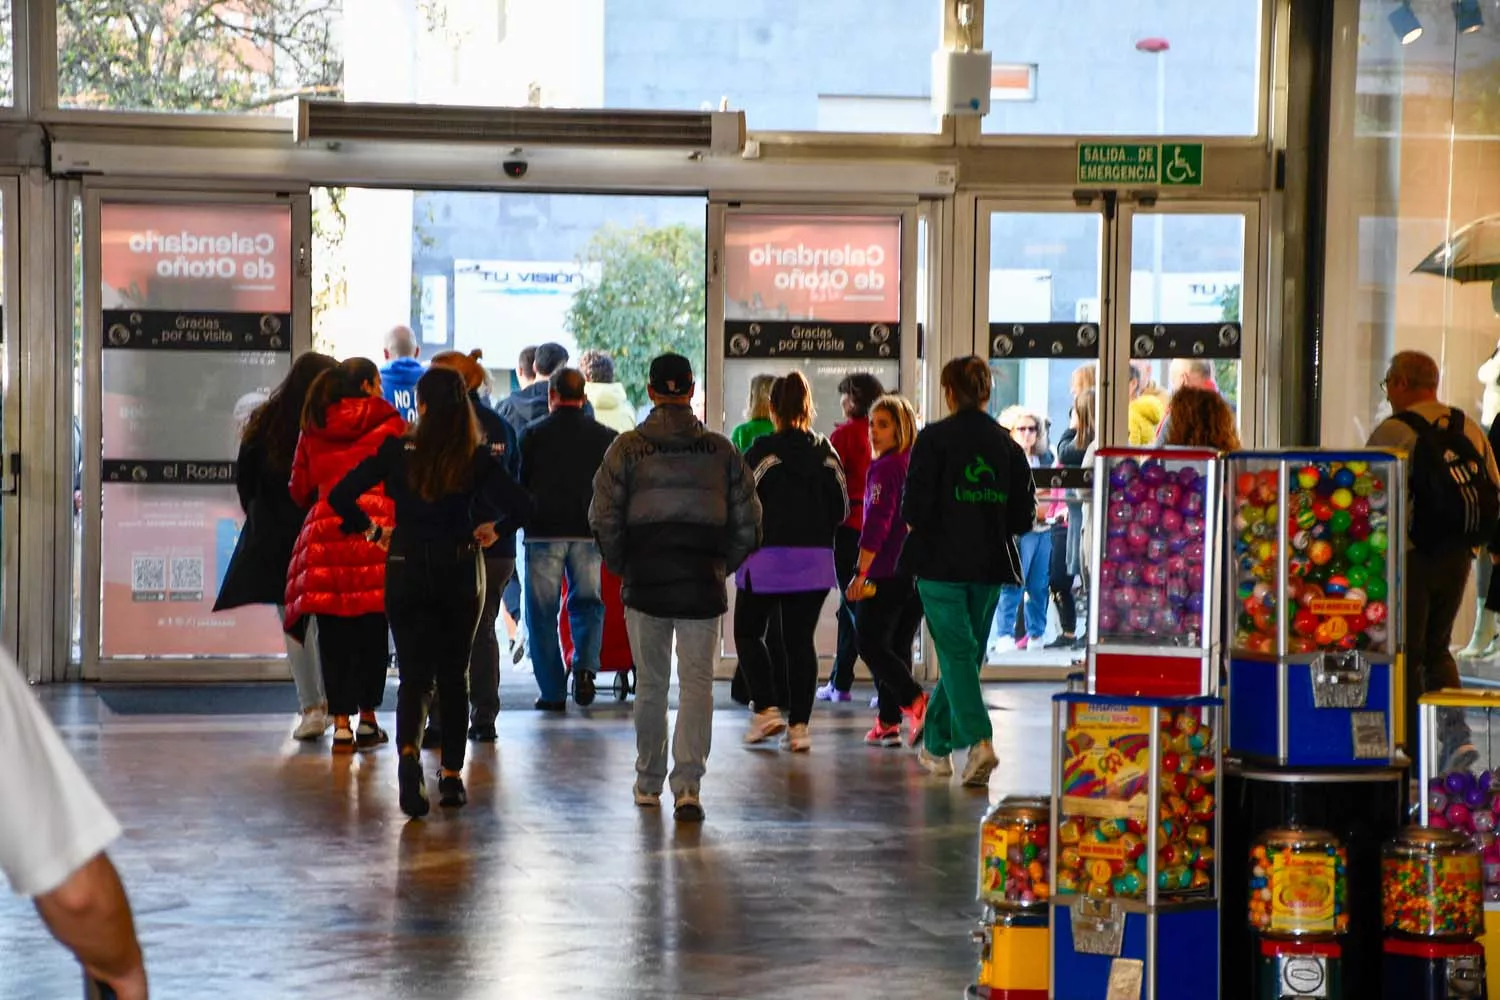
(887,610)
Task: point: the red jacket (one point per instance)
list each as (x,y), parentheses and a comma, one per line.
(333,573)
(851,440)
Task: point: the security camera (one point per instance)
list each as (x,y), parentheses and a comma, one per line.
(515,169)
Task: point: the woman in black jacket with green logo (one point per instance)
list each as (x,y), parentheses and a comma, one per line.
(968,495)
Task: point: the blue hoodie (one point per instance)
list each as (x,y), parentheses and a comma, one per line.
(398,380)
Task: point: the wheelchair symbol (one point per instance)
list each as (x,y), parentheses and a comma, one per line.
(1178,170)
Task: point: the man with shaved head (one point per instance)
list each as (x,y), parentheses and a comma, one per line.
(398,377)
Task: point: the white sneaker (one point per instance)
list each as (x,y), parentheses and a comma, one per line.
(981,763)
(938,767)
(796,739)
(764,725)
(1001,646)
(313,724)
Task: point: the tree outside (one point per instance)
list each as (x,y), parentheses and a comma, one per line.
(646,295)
(1227,371)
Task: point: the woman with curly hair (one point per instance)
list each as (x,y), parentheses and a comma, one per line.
(1201,419)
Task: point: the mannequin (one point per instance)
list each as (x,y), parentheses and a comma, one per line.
(1485,641)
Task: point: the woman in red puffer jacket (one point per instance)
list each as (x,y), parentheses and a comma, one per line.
(337,577)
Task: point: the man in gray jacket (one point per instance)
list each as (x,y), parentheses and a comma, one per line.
(675,512)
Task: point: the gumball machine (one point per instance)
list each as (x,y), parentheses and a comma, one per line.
(1458,766)
(1298,911)
(1014,869)
(1314,543)
(1134,855)
(1154,600)
(1433,910)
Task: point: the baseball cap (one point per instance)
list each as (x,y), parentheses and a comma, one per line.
(672,375)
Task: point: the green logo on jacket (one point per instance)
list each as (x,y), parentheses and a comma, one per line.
(976,472)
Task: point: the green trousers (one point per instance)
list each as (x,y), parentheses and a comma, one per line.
(959,617)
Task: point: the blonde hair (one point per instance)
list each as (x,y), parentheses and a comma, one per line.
(758,406)
(902,415)
(1013,415)
(1085,378)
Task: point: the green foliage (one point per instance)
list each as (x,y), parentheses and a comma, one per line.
(645,295)
(196,55)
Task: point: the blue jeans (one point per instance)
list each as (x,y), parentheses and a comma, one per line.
(1036,558)
(546,562)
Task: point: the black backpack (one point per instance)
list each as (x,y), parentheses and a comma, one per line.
(1454,501)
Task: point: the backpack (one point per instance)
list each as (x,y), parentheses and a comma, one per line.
(1454,501)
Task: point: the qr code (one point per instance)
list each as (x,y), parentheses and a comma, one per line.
(148,577)
(187,576)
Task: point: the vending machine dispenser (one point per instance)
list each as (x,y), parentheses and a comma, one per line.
(1315,543)
(1015,842)
(1135,830)
(1154,617)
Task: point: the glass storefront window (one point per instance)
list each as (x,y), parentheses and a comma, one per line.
(1124,67)
(839,65)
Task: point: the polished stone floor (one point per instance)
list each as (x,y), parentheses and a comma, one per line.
(260,868)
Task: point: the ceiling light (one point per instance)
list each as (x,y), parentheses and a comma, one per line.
(1405,23)
(1470,18)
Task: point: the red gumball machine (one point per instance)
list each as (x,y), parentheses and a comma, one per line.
(1154,601)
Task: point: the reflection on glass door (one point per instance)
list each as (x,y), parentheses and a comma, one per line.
(1188,316)
(1038,294)
(815,293)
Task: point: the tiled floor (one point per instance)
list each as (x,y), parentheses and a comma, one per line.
(263,869)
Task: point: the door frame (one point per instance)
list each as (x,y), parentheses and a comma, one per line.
(94,665)
(12,408)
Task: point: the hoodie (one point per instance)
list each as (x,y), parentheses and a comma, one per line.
(611,405)
(803,499)
(398,381)
(333,573)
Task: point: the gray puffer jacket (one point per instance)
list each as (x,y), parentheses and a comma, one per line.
(675,512)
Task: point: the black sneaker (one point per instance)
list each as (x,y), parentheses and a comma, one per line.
(413,789)
(432,739)
(583,688)
(1062,642)
(483,732)
(1082,642)
(451,793)
(368,737)
(543,705)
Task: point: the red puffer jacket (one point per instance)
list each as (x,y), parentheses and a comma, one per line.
(333,573)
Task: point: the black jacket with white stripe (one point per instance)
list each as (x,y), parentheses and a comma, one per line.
(800,482)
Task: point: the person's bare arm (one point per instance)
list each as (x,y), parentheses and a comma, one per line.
(90,915)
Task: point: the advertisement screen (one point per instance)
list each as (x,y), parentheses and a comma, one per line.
(829,268)
(502,306)
(196,330)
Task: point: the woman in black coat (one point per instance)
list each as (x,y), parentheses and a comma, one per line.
(258,569)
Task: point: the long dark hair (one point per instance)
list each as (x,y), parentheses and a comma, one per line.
(791,402)
(276,423)
(444,438)
(346,380)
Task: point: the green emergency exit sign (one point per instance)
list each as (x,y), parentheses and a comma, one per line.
(1166,164)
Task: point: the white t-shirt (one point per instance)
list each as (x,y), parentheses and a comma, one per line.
(53,821)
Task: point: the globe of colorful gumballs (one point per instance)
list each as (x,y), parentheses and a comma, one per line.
(1336,527)
(1431,886)
(1154,551)
(1469,804)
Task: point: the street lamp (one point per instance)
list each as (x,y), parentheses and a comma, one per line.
(1158,47)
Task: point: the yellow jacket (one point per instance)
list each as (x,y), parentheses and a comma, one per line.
(1146,415)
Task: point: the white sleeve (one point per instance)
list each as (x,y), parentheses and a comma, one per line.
(53,822)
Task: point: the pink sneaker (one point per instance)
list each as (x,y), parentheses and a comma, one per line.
(883,736)
(1021,645)
(916,718)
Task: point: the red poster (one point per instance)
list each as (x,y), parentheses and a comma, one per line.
(222,258)
(196,306)
(830,268)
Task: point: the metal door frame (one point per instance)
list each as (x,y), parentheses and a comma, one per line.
(180,669)
(13,337)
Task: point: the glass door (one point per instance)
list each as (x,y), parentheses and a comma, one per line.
(193,307)
(1042,318)
(831,293)
(1194,271)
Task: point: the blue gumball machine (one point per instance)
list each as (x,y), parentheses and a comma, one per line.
(1135,834)
(1315,611)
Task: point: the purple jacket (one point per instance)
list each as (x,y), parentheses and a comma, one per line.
(884,532)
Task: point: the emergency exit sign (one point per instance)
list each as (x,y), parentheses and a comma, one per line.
(1165,164)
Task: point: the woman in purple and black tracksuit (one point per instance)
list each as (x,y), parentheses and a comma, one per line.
(800,483)
(887,610)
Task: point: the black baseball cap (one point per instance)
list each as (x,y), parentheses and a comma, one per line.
(672,375)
